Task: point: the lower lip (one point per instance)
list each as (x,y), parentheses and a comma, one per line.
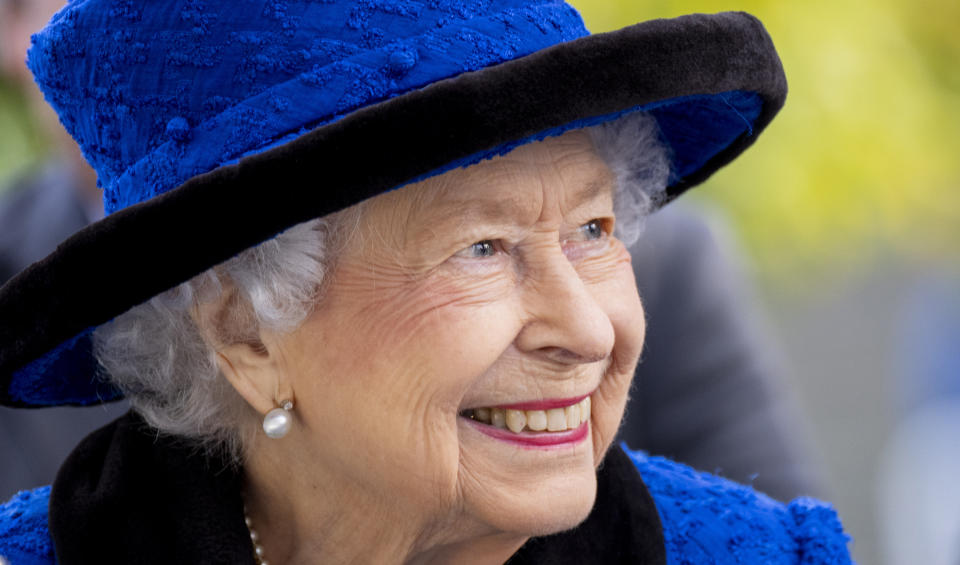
(534,440)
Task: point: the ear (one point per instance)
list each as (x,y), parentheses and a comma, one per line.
(248,357)
(254,373)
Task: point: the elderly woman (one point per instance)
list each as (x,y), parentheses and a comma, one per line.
(364,281)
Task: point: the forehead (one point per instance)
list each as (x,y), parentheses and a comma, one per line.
(560,172)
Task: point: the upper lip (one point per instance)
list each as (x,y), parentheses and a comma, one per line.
(544,404)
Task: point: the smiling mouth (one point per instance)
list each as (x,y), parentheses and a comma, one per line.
(557,418)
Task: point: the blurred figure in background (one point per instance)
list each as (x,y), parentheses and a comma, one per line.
(61,196)
(707,391)
(36,213)
(918,492)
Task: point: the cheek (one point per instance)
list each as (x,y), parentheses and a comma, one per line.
(613,286)
(617,295)
(443,332)
(384,381)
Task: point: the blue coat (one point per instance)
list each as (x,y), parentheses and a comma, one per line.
(704,519)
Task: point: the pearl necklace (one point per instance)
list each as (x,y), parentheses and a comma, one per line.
(254,539)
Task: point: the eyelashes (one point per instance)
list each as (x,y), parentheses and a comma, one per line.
(593,230)
(596,229)
(479,250)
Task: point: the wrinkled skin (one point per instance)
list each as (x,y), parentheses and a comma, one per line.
(422,321)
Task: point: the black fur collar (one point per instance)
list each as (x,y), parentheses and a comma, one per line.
(127,495)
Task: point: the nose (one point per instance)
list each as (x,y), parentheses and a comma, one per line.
(565,322)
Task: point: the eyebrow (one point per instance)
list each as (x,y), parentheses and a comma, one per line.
(591,190)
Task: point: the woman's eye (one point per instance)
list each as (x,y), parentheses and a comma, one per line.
(592,230)
(485,248)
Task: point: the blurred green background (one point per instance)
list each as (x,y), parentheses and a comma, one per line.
(862,161)
(21,143)
(850,198)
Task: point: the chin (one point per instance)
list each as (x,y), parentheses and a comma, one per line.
(565,512)
(556,495)
(544,517)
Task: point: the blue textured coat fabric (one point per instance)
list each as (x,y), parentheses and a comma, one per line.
(705,519)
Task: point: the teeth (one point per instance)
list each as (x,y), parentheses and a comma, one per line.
(537,420)
(482,414)
(516,420)
(556,420)
(572,413)
(553,420)
(498,418)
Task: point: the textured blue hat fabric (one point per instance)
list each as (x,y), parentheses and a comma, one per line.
(189,108)
(158,92)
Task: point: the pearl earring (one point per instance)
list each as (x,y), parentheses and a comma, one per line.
(277,422)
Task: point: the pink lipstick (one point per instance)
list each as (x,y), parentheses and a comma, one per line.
(544,404)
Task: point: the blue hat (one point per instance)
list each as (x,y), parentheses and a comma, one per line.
(273,112)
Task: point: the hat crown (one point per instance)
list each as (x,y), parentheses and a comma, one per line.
(158,92)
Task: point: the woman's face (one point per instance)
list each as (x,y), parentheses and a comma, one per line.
(492,286)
